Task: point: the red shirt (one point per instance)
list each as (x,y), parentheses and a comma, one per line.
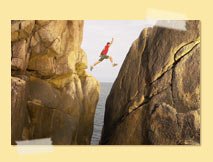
(105,50)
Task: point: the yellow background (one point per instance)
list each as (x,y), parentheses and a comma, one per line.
(108,9)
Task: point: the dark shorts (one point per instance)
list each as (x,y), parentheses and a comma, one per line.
(102,57)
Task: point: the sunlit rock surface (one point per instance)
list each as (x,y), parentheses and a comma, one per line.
(156,96)
(52,95)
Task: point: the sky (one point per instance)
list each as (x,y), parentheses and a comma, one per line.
(97,33)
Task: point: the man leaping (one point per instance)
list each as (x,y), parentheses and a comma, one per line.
(104,55)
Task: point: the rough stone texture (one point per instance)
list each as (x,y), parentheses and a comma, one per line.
(156,96)
(19,116)
(169,127)
(19,55)
(52,95)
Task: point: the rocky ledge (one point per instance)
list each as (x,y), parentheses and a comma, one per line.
(52,95)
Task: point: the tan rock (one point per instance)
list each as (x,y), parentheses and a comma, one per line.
(186,82)
(19,50)
(28,25)
(43,64)
(42,22)
(61,97)
(14,36)
(15,27)
(47,122)
(19,114)
(159,80)
(169,127)
(19,55)
(17,64)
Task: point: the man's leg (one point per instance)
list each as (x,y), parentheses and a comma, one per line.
(111,60)
(96,63)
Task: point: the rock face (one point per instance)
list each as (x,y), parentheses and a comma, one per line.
(156,96)
(52,95)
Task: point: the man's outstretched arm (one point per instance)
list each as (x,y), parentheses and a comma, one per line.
(111,41)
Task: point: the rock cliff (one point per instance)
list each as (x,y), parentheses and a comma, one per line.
(156,96)
(52,95)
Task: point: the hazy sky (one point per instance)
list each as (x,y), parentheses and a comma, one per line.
(98,32)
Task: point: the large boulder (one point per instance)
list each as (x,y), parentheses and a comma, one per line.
(156,96)
(57,96)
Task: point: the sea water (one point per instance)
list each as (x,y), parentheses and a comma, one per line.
(99,113)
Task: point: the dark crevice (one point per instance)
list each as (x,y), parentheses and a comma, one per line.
(154,108)
(173,68)
(161,76)
(146,101)
(172,79)
(184,46)
(174,63)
